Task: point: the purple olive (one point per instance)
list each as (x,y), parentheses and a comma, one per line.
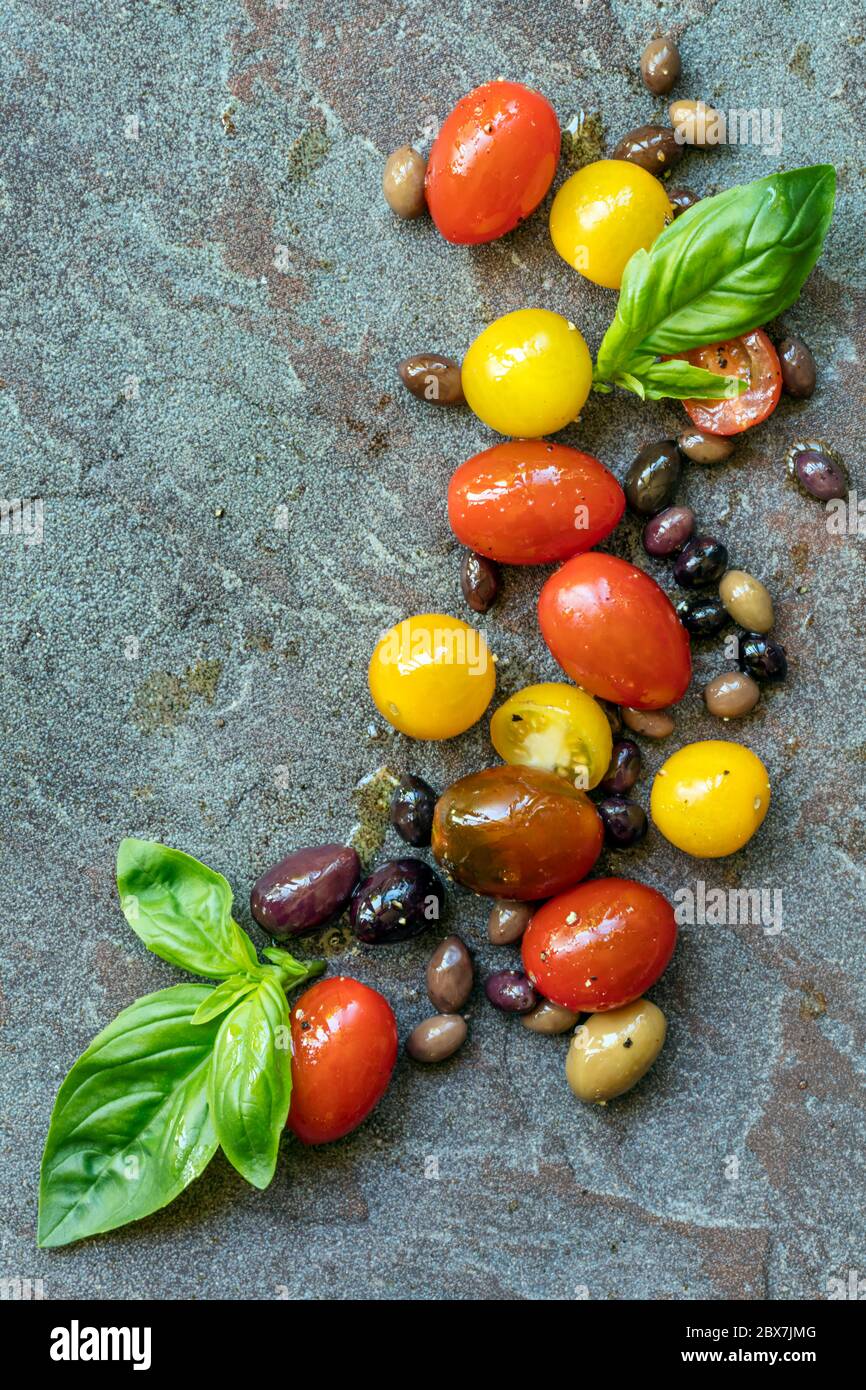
(703,561)
(411,812)
(761,658)
(818,470)
(510,991)
(668,532)
(624,768)
(703,615)
(624,821)
(398,900)
(305,889)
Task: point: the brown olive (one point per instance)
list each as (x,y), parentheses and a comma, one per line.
(652,478)
(660,65)
(681,199)
(479,580)
(653,147)
(403,182)
(610,1052)
(432,377)
(549,1018)
(798,367)
(747,600)
(818,470)
(697,124)
(652,723)
(437,1038)
(449,976)
(701,447)
(731,695)
(508,921)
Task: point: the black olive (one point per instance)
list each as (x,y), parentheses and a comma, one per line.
(624,821)
(703,615)
(411,813)
(396,901)
(703,561)
(651,481)
(624,768)
(761,658)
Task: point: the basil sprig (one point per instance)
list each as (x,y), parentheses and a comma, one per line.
(180,1072)
(726,266)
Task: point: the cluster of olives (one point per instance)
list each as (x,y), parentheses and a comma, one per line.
(715,594)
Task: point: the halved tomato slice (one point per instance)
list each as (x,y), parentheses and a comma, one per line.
(752,359)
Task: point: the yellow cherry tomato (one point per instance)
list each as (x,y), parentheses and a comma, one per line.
(556,727)
(603,214)
(709,798)
(528,373)
(432,676)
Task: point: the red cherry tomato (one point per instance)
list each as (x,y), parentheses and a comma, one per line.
(614,631)
(528,502)
(753,359)
(492,162)
(344,1046)
(599,945)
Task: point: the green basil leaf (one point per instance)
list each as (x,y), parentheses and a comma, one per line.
(250,1083)
(293,972)
(682,381)
(181,910)
(726,266)
(223,997)
(131,1125)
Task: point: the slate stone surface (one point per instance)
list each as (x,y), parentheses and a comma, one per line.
(204,298)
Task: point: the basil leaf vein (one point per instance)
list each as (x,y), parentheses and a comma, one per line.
(250,1082)
(726,266)
(181,910)
(226,994)
(131,1126)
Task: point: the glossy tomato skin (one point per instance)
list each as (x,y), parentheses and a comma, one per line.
(600,945)
(710,797)
(492,162)
(431,676)
(615,632)
(527,374)
(752,358)
(603,214)
(516,833)
(344,1047)
(528,502)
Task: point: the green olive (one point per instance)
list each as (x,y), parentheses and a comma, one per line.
(747,600)
(610,1052)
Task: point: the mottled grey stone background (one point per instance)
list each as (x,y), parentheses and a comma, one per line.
(200,327)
